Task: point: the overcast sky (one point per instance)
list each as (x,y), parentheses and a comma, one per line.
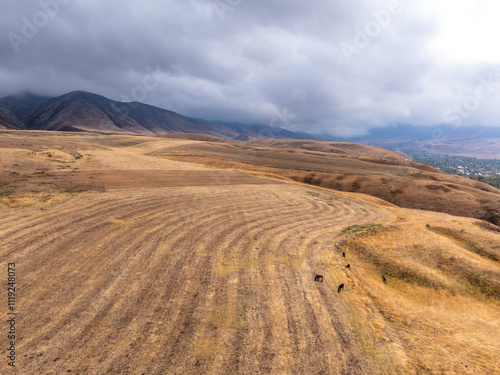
(331,66)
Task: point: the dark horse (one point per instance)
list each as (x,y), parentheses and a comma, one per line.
(341,286)
(318,278)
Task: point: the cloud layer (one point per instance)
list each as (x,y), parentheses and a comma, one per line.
(324,66)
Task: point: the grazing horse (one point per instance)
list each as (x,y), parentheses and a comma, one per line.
(343,254)
(348,266)
(383,279)
(341,286)
(318,278)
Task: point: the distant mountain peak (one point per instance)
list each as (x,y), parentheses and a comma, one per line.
(472,141)
(86,111)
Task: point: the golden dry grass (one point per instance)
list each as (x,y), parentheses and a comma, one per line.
(405,184)
(340,148)
(148,265)
(440,296)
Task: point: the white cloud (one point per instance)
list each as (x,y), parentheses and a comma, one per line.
(468,31)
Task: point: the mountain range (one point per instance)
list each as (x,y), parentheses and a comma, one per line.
(80,111)
(473,141)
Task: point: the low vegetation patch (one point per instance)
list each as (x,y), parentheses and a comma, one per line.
(393,270)
(483,284)
(488,226)
(311,179)
(402,263)
(371,228)
(83,188)
(30,200)
(329,199)
(467,244)
(314,194)
(438,187)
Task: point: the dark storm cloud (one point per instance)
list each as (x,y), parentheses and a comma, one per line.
(321,66)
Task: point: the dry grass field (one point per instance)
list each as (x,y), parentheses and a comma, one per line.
(131,261)
(353,168)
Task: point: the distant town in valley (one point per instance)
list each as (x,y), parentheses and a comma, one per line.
(484,170)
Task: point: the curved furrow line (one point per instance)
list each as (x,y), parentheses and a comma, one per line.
(247,230)
(293,269)
(309,314)
(319,334)
(105,310)
(103,280)
(63,209)
(297,225)
(184,286)
(90,210)
(218,238)
(148,296)
(274,337)
(310,351)
(273,235)
(223,238)
(71,239)
(327,302)
(45,226)
(58,232)
(70,332)
(354,362)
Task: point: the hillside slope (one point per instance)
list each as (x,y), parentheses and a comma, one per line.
(131,262)
(473,141)
(9,121)
(381,173)
(352,150)
(84,111)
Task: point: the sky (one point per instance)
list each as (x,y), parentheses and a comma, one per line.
(323,66)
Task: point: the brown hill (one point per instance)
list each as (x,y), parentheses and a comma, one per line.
(129,262)
(84,111)
(352,150)
(483,148)
(379,173)
(9,121)
(21,104)
(194,137)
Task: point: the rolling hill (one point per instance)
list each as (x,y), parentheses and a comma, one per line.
(371,170)
(9,121)
(164,255)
